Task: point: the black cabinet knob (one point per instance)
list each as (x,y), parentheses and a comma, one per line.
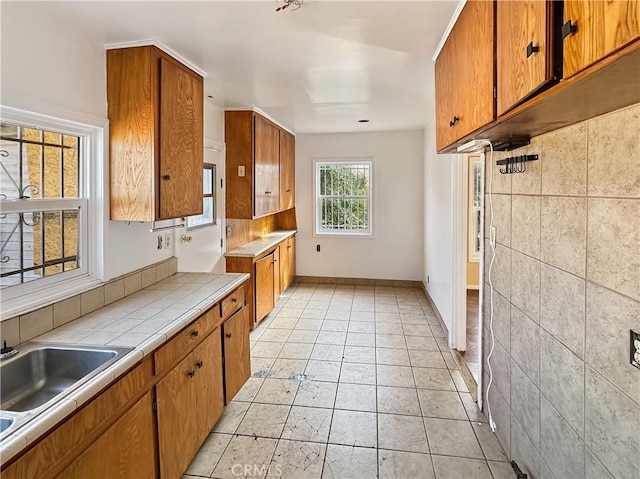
(199,364)
(166,177)
(194,333)
(569,28)
(454,121)
(191,374)
(228,335)
(531,49)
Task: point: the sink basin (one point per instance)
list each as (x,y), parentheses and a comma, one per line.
(41,372)
(5,422)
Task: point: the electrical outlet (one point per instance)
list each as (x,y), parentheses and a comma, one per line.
(228,231)
(241,172)
(635,348)
(159,246)
(167,240)
(492,236)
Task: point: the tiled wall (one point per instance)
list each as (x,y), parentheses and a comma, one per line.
(567,291)
(27,326)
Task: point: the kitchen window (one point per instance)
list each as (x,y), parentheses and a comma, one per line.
(208,216)
(48,225)
(343,194)
(475,208)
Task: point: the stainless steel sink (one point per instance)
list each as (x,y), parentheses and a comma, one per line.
(42,372)
(5,423)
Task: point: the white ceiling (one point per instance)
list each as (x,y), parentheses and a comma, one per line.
(318,69)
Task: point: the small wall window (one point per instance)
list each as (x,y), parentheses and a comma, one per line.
(208,216)
(475,210)
(343,194)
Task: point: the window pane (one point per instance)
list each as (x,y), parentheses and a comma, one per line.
(208,181)
(53,138)
(52,172)
(71,167)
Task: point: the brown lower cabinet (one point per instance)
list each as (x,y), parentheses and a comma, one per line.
(190,399)
(271,274)
(152,421)
(237,361)
(126,449)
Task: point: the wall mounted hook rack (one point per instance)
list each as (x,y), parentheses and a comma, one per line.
(515,164)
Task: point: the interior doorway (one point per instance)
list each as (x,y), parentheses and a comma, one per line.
(474,207)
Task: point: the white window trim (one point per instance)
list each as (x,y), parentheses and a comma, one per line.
(33,295)
(317,203)
(474,256)
(214,222)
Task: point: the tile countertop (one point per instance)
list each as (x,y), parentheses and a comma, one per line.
(143,321)
(256,247)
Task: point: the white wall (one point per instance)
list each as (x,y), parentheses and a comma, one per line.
(439,175)
(48,67)
(396,251)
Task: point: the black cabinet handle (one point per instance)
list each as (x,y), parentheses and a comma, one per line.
(191,374)
(234,300)
(288,191)
(166,177)
(531,49)
(199,364)
(454,121)
(569,28)
(228,335)
(194,333)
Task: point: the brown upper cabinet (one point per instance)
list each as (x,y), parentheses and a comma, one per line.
(464,75)
(156,135)
(526,60)
(593,29)
(260,166)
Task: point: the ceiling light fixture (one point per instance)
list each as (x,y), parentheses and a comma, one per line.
(288,3)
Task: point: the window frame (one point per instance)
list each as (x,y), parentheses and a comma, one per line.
(317,199)
(29,296)
(474,221)
(213,222)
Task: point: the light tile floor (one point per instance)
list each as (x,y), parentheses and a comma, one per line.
(351,382)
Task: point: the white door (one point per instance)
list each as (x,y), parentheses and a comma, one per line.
(203,249)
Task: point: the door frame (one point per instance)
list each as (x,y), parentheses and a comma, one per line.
(460,202)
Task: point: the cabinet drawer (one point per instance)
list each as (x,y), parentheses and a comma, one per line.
(232,303)
(186,340)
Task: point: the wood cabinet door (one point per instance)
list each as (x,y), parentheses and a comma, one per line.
(237,360)
(291,248)
(267,167)
(446,99)
(464,75)
(475,82)
(178,429)
(287,170)
(524,49)
(209,382)
(125,450)
(264,286)
(181,142)
(601,27)
(277,255)
(287,263)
